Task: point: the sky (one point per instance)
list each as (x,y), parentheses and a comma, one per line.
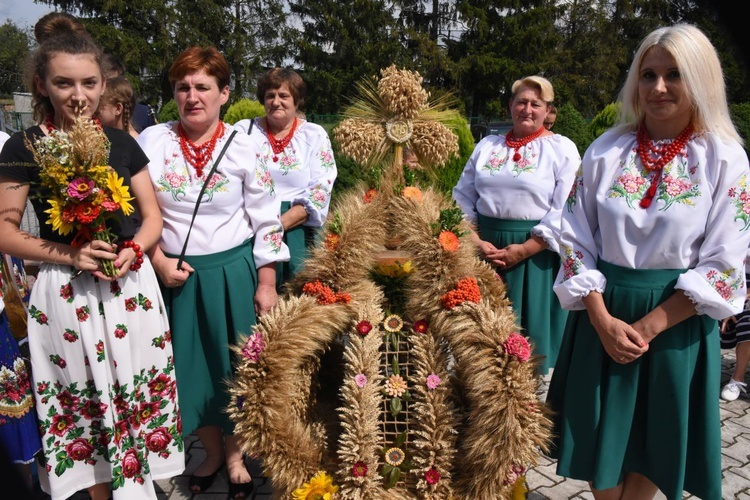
(23,13)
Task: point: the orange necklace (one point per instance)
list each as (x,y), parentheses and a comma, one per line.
(195,155)
(514,143)
(655,157)
(278,145)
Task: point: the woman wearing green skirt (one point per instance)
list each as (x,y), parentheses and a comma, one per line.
(513,188)
(654,238)
(228,277)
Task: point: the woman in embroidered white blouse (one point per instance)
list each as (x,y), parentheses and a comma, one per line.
(231,254)
(654,237)
(514,187)
(300,158)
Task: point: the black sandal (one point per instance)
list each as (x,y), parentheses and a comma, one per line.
(199,484)
(245,489)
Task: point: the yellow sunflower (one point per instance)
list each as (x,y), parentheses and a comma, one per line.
(320,487)
(120,193)
(393,323)
(56,219)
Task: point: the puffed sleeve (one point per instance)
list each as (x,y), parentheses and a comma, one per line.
(317,196)
(578,275)
(465,192)
(263,208)
(716,285)
(566,163)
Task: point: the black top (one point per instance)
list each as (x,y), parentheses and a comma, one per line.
(125,156)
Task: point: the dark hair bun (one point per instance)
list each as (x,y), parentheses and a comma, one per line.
(56,24)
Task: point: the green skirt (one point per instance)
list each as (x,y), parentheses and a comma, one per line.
(206,316)
(657,416)
(529,286)
(299,239)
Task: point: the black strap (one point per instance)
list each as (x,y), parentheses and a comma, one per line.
(200,197)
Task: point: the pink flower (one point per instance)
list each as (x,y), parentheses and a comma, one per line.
(359,469)
(253,347)
(432,476)
(79,449)
(80,187)
(432,381)
(364,327)
(360,379)
(517,345)
(420,326)
(158,440)
(131,464)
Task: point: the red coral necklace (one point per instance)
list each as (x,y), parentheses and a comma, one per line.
(278,145)
(514,143)
(195,155)
(654,157)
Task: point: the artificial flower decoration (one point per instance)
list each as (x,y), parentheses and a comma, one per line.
(364,327)
(420,326)
(448,240)
(320,487)
(432,475)
(332,241)
(394,456)
(359,469)
(516,345)
(395,386)
(361,380)
(393,323)
(412,193)
(333,237)
(370,195)
(324,294)
(253,347)
(467,290)
(433,381)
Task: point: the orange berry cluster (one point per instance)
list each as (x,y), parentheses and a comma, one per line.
(466,289)
(332,241)
(324,294)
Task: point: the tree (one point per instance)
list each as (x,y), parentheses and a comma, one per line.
(13,52)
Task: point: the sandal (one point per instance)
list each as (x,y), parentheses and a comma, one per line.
(199,484)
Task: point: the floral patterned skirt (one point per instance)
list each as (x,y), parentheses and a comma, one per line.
(104,383)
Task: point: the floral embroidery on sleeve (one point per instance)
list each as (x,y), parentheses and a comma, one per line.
(265,180)
(577,184)
(319,196)
(741,199)
(273,239)
(572,263)
(325,155)
(724,283)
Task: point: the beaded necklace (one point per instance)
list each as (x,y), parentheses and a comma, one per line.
(654,157)
(196,155)
(514,143)
(278,145)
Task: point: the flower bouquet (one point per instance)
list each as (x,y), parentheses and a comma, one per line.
(83,191)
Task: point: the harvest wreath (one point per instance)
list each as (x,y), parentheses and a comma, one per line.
(434,382)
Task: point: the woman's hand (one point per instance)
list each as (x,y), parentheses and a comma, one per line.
(511,255)
(265,298)
(90,255)
(621,341)
(166,268)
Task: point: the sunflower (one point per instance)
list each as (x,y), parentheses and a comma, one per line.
(56,219)
(393,323)
(320,487)
(394,456)
(120,193)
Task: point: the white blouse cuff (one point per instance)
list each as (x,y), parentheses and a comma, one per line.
(572,291)
(706,299)
(548,236)
(315,216)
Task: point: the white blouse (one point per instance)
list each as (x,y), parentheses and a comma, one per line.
(534,188)
(238,202)
(304,172)
(698,220)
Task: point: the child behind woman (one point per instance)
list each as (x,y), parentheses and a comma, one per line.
(117,104)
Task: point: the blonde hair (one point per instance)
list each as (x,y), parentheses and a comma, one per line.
(701,75)
(120,91)
(539,83)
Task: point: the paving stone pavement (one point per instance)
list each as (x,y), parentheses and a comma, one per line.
(543,483)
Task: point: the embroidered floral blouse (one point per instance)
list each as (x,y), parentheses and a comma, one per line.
(534,188)
(239,201)
(304,172)
(698,221)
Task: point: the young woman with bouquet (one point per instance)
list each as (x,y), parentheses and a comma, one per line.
(101,354)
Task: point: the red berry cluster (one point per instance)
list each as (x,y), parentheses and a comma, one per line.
(138,254)
(324,294)
(466,289)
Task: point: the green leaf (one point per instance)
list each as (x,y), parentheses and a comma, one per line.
(400,440)
(395,406)
(394,365)
(394,342)
(393,477)
(386,469)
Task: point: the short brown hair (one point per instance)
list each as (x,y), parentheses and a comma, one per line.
(276,77)
(195,59)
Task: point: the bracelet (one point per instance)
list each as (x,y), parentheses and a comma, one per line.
(138,254)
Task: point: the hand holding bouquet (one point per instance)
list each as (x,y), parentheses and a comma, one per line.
(84,191)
